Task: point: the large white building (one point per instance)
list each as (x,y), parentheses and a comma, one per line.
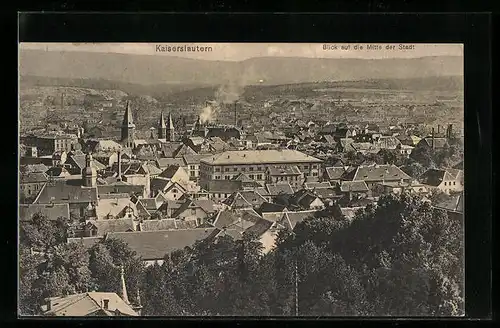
(255,164)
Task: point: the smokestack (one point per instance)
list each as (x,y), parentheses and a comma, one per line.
(432,139)
(62,100)
(119,166)
(235,115)
(450,130)
(439,129)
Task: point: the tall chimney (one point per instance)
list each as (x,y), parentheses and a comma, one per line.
(235,115)
(439,129)
(450,130)
(432,139)
(62,100)
(119,166)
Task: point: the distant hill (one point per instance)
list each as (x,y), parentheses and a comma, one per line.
(156,70)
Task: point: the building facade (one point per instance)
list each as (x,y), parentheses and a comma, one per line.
(255,164)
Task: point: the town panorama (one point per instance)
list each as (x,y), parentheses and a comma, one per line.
(241,180)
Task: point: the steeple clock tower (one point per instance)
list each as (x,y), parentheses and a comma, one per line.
(128,128)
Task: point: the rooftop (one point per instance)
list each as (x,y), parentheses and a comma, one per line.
(260,157)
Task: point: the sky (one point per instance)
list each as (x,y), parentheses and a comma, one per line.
(242,51)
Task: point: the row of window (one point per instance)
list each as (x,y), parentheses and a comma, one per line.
(258,168)
(449,183)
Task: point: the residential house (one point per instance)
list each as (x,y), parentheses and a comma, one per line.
(400,187)
(334,174)
(90,304)
(355,188)
(30,184)
(289,220)
(244,199)
(375,174)
(271,211)
(99,228)
(276,189)
(195,210)
(307,200)
(285,174)
(49,211)
(153,246)
(64,192)
(433,143)
(219,190)
(448,181)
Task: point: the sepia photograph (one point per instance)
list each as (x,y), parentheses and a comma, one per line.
(241,179)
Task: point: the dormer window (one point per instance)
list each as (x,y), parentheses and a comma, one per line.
(105,304)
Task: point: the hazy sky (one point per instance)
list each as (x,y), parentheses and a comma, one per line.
(242,51)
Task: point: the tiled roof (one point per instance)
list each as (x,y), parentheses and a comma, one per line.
(279,188)
(224,186)
(326,193)
(376,173)
(286,171)
(167,162)
(271,207)
(62,192)
(434,177)
(154,245)
(114,225)
(150,203)
(121,189)
(259,156)
(35,177)
(50,211)
(86,304)
(170,148)
(114,207)
(259,228)
(453,203)
(193,159)
(354,186)
(169,172)
(317,185)
(154,225)
(290,219)
(32,168)
(438,142)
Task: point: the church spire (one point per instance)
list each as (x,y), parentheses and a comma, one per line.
(170,131)
(127,118)
(124,287)
(128,128)
(170,121)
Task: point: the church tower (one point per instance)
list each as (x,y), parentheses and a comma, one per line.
(128,128)
(170,129)
(89,173)
(162,128)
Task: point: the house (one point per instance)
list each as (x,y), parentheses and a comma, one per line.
(195,210)
(375,174)
(453,205)
(113,208)
(192,165)
(49,211)
(404,150)
(169,149)
(237,220)
(96,146)
(276,189)
(265,234)
(153,246)
(317,185)
(246,181)
(244,199)
(448,181)
(334,174)
(76,164)
(271,211)
(344,145)
(219,190)
(174,174)
(32,183)
(169,190)
(357,188)
(433,143)
(99,228)
(307,200)
(285,174)
(289,220)
(387,142)
(90,304)
(399,187)
(64,192)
